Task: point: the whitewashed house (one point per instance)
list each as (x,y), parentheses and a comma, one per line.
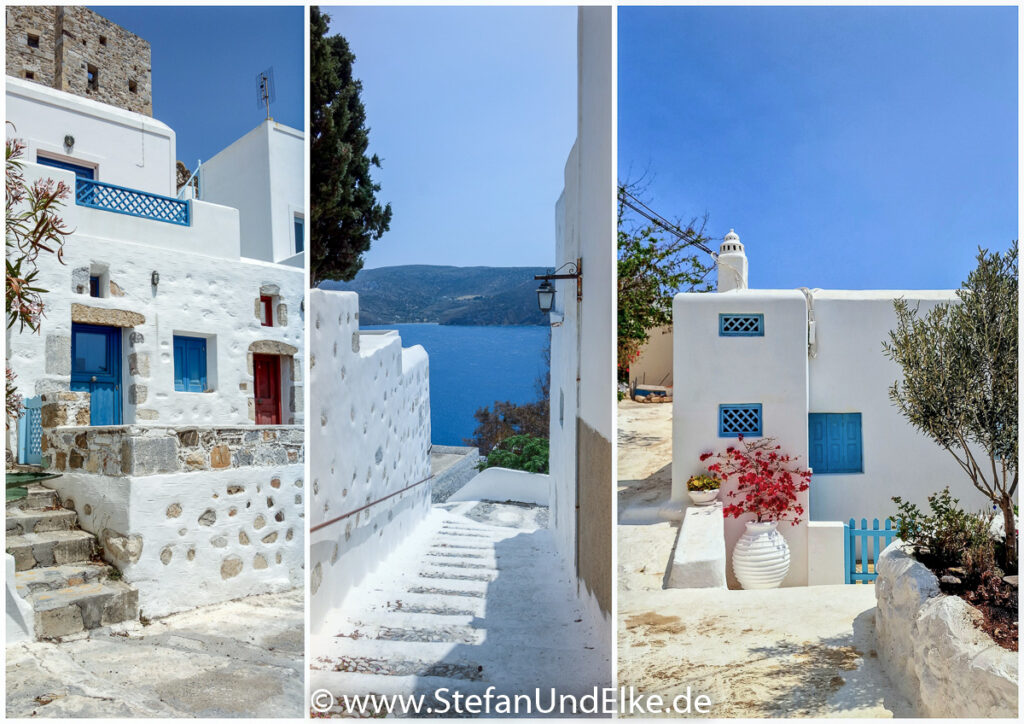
(165,384)
(806,367)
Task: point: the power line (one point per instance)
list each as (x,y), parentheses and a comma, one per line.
(654,217)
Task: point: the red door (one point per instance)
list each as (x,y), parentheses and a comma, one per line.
(267,373)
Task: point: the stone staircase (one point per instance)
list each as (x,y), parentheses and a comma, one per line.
(477,597)
(58,570)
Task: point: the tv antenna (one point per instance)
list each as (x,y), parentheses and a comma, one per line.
(265,93)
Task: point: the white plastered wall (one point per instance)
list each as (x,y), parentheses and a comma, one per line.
(262,175)
(128,149)
(205,536)
(654,365)
(369,435)
(852,374)
(582,354)
(197,294)
(710,370)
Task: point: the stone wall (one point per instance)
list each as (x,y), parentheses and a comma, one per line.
(70,42)
(135,450)
(450,479)
(192,539)
(369,447)
(931,648)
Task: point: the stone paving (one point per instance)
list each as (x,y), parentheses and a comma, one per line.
(789,652)
(476,596)
(241,658)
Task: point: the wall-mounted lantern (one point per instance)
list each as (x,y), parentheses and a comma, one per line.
(545,296)
(69,141)
(155,279)
(546,291)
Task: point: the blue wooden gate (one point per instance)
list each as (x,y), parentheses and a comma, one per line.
(862,547)
(30,433)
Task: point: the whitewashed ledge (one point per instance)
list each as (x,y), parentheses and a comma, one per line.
(699,558)
(932,650)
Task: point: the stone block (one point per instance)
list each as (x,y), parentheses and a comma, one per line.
(188,438)
(137,394)
(84,314)
(138,364)
(124,549)
(58,355)
(149,455)
(58,622)
(147,414)
(282,315)
(80,280)
(220,457)
(270,290)
(53,414)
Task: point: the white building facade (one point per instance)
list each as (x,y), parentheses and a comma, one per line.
(167,376)
(805,367)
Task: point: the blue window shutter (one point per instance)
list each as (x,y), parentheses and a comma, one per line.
(816,434)
(179,364)
(834,442)
(189,364)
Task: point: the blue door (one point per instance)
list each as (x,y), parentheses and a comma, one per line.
(96,368)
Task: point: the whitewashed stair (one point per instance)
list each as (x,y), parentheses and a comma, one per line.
(58,572)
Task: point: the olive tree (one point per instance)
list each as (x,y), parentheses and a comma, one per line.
(959,383)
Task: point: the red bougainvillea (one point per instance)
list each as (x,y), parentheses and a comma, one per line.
(767,481)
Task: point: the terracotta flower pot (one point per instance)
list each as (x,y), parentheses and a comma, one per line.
(761,556)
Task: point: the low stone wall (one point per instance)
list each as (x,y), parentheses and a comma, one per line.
(192,539)
(450,479)
(135,450)
(931,648)
(699,557)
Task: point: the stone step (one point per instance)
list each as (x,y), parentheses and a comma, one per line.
(435,573)
(32,520)
(396,658)
(65,611)
(433,632)
(54,548)
(37,498)
(52,578)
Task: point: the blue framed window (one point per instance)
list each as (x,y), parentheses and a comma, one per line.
(736,420)
(835,442)
(189,364)
(300,236)
(740,325)
(79,171)
(94,286)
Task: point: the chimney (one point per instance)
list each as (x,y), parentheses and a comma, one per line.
(732,264)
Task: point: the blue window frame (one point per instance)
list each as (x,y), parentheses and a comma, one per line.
(740,325)
(835,442)
(189,364)
(94,286)
(736,420)
(300,236)
(79,171)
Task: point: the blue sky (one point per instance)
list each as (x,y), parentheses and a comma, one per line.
(473,113)
(852,148)
(205,63)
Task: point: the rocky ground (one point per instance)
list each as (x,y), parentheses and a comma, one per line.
(793,652)
(237,659)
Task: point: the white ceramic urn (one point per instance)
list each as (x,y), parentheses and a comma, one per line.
(761,556)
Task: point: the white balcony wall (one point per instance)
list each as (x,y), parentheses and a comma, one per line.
(127,149)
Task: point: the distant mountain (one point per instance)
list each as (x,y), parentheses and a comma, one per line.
(446,295)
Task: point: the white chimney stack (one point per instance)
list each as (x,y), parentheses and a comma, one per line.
(732,264)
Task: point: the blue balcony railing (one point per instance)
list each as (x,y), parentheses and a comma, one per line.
(107,197)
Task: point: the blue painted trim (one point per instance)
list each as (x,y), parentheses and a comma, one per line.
(835,443)
(86,172)
(758,331)
(171,211)
(30,430)
(189,364)
(755,407)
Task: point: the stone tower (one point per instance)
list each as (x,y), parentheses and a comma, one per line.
(77,51)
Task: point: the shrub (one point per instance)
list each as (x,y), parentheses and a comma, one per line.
(519,452)
(767,481)
(948,537)
(703,483)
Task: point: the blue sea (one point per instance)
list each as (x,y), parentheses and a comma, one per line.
(471,367)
